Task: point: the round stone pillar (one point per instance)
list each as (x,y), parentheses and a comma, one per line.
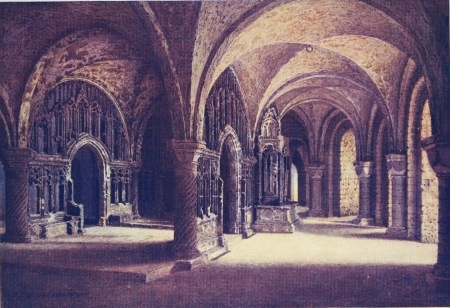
(364,170)
(438,151)
(17,218)
(186,242)
(316,184)
(134,191)
(396,164)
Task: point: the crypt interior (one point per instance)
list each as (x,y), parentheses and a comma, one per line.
(224,118)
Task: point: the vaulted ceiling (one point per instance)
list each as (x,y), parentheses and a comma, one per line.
(350,55)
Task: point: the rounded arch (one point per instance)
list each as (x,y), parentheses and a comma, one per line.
(27,115)
(79,51)
(397,25)
(321,139)
(77,107)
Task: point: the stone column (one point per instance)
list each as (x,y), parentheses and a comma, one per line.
(438,151)
(316,184)
(186,155)
(280,178)
(396,164)
(17,218)
(260,179)
(134,191)
(364,170)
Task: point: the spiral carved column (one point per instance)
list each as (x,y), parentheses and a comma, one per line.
(364,170)
(397,173)
(438,151)
(186,237)
(17,220)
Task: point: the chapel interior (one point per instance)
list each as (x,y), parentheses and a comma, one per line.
(225,118)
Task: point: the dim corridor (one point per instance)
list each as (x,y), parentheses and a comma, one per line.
(327,262)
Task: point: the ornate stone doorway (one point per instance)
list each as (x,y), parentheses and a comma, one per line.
(85,173)
(229,175)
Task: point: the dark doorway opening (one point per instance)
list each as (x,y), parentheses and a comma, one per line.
(86,184)
(230,191)
(156,177)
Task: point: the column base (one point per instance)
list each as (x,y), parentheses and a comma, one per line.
(316,214)
(188,264)
(441,277)
(396,232)
(188,255)
(364,221)
(248,232)
(16,239)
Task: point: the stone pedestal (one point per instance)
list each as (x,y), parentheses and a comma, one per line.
(17,218)
(247,218)
(396,164)
(276,219)
(438,151)
(316,185)
(364,170)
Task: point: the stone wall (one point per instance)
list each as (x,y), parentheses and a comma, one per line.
(429,228)
(349,197)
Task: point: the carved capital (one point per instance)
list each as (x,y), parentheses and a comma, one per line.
(16,161)
(438,151)
(396,164)
(186,151)
(316,172)
(364,169)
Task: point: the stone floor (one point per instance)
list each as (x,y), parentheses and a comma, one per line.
(326,263)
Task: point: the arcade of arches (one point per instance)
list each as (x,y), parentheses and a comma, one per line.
(208,114)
